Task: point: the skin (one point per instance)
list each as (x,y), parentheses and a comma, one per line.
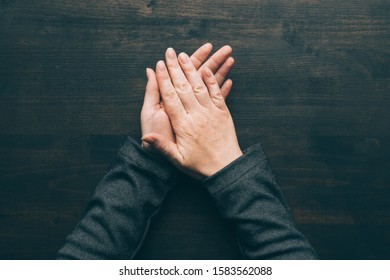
(205,137)
(153,116)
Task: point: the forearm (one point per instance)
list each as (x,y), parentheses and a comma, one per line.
(120,210)
(247,194)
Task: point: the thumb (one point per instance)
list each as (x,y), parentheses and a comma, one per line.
(152,95)
(164,146)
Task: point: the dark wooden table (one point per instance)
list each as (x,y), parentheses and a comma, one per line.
(311,82)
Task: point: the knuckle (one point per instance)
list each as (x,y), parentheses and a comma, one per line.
(171,94)
(216,101)
(217,96)
(213,82)
(199,89)
(183,88)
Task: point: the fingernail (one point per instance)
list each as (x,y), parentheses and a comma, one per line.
(147,72)
(228,48)
(208,72)
(148,140)
(171,53)
(184,58)
(161,65)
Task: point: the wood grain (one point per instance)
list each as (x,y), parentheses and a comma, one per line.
(311,82)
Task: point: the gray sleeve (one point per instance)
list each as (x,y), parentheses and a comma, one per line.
(247,194)
(119,213)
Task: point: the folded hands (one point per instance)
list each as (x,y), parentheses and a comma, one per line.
(184,116)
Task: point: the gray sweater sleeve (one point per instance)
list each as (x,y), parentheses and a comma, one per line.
(247,194)
(118,215)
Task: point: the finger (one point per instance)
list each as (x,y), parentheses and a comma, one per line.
(224,70)
(226,87)
(200,55)
(180,82)
(164,146)
(217,59)
(214,90)
(195,80)
(152,95)
(172,104)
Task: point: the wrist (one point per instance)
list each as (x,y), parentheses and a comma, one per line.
(132,151)
(253,157)
(222,162)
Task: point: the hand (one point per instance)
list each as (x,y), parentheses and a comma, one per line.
(153,116)
(206,139)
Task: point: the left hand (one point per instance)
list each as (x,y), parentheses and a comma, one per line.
(153,116)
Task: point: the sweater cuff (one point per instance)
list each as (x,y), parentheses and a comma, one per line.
(133,152)
(252,157)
